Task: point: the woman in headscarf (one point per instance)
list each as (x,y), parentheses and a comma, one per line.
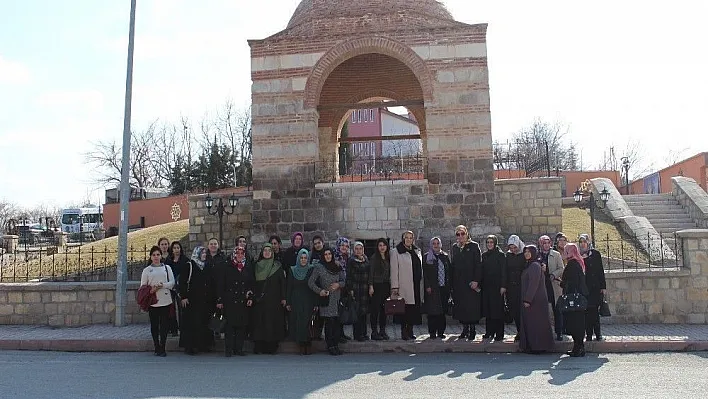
(195,283)
(493,288)
(290,255)
(302,302)
(327,281)
(595,280)
(358,287)
(235,298)
(177,260)
(515,264)
(407,281)
(269,303)
(436,277)
(536,335)
(466,283)
(574,282)
(379,289)
(216,261)
(341,258)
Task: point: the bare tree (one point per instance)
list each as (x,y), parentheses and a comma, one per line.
(8,211)
(634,157)
(540,146)
(675,155)
(234,127)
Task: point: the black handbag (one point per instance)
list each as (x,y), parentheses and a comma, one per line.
(508,315)
(572,302)
(348,310)
(450,306)
(605,308)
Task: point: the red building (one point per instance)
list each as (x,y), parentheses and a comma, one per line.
(380,122)
(660,182)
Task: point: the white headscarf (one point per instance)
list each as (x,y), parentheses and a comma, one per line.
(515,240)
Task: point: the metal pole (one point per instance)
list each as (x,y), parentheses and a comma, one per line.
(122,266)
(220,211)
(592,219)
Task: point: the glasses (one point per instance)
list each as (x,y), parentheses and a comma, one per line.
(460,234)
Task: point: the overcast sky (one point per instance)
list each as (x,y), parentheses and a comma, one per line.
(611,71)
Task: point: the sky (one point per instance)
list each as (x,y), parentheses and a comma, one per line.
(612,72)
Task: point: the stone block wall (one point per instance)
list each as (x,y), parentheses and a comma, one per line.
(529,207)
(203,226)
(693,198)
(664,296)
(65,304)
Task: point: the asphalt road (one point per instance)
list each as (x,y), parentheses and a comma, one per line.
(139,375)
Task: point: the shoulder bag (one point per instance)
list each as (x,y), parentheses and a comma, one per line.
(605,308)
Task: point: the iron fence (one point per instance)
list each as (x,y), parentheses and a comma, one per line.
(517,159)
(410,167)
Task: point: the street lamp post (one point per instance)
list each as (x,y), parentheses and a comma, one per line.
(592,203)
(220,211)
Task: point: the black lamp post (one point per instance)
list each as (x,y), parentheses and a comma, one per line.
(592,203)
(220,211)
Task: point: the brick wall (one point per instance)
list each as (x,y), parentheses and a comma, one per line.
(65,304)
(529,207)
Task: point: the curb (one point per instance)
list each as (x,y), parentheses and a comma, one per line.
(421,346)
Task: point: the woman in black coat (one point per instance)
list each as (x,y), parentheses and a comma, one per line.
(574,282)
(595,279)
(493,288)
(466,283)
(195,290)
(357,285)
(269,303)
(515,264)
(235,297)
(436,278)
(178,261)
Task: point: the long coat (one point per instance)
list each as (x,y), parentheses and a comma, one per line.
(515,264)
(574,281)
(594,277)
(402,276)
(493,280)
(554,271)
(302,301)
(234,289)
(466,268)
(536,333)
(268,312)
(436,301)
(196,285)
(321,279)
(358,281)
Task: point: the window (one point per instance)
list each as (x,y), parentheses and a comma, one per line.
(366,115)
(371,115)
(354,117)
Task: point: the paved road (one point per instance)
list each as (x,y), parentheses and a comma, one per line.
(137,375)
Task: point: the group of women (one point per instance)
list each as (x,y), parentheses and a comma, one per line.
(298,292)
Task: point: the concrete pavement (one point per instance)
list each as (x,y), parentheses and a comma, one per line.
(57,375)
(135,338)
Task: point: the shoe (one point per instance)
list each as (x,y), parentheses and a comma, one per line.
(464,335)
(517,338)
(498,339)
(338,351)
(346,337)
(162,354)
(240,353)
(190,352)
(332,351)
(433,336)
(559,337)
(472,335)
(598,338)
(582,352)
(487,336)
(385,336)
(343,340)
(228,353)
(442,336)
(588,338)
(375,336)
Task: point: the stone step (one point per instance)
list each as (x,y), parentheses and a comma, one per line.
(663,211)
(645,207)
(647,197)
(677,220)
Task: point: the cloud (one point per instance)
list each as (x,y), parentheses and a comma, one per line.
(14,73)
(91,101)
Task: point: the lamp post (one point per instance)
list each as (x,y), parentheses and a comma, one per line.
(625,169)
(220,211)
(604,196)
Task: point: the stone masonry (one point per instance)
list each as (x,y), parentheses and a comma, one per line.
(693,198)
(529,207)
(331,54)
(203,226)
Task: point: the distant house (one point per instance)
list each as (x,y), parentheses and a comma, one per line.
(659,182)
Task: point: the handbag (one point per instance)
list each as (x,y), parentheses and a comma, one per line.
(348,310)
(508,315)
(450,306)
(605,308)
(217,322)
(572,302)
(312,328)
(395,306)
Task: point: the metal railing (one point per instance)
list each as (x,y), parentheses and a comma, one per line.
(412,167)
(522,158)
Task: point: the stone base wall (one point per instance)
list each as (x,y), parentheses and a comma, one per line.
(65,304)
(529,207)
(693,198)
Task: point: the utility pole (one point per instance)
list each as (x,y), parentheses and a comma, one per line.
(122,266)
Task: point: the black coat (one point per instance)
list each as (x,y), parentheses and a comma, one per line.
(216,263)
(594,277)
(493,280)
(198,288)
(436,302)
(268,313)
(574,279)
(289,258)
(358,281)
(466,268)
(515,264)
(181,264)
(234,289)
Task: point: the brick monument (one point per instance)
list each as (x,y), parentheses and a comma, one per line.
(332,55)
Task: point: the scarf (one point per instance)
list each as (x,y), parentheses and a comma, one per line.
(571,251)
(302,240)
(299,271)
(197,257)
(234,260)
(331,266)
(431,258)
(589,248)
(339,258)
(266,267)
(515,240)
(534,254)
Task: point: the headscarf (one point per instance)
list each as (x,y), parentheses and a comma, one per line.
(534,253)
(239,265)
(467,233)
(331,266)
(302,239)
(363,255)
(338,256)
(514,239)
(571,251)
(496,243)
(300,272)
(585,237)
(197,257)
(430,256)
(266,267)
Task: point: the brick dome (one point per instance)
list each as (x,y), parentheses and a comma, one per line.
(401,11)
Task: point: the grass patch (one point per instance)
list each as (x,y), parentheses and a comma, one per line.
(609,239)
(97,256)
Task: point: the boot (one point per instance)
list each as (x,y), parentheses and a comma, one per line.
(332,350)
(382,332)
(163,352)
(465,332)
(473,333)
(410,332)
(404,332)
(598,334)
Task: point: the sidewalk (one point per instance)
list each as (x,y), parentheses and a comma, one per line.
(136,338)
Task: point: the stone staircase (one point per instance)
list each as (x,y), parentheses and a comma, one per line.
(664,213)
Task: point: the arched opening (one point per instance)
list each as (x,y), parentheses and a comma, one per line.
(371,121)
